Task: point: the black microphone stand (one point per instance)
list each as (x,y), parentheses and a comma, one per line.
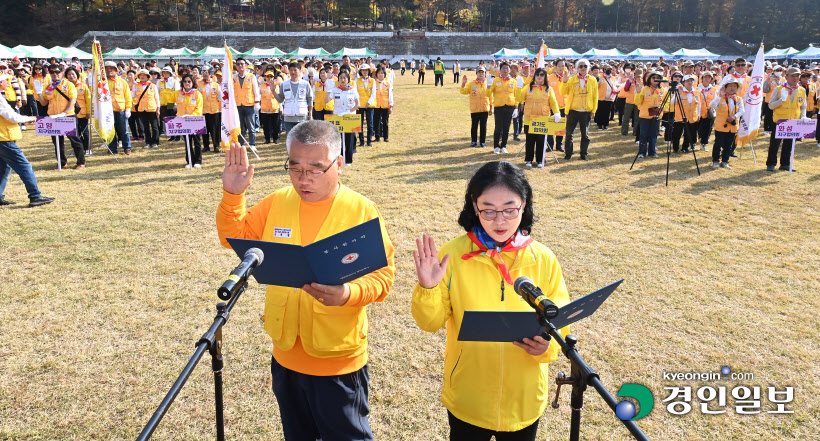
(212,342)
(581,376)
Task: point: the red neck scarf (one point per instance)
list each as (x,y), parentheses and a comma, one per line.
(191,92)
(582,77)
(543,87)
(791,88)
(514,243)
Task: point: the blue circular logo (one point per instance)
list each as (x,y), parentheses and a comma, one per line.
(625,410)
(725,370)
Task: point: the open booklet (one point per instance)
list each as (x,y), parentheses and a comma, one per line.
(509,326)
(334,260)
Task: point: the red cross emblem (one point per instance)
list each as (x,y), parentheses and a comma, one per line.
(350,258)
(225,96)
(756,90)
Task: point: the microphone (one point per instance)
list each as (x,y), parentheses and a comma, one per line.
(239,275)
(535,297)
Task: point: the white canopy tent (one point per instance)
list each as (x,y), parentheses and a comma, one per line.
(71,52)
(694,54)
(37,52)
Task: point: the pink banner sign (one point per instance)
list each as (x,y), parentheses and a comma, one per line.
(63,126)
(185,125)
(795,128)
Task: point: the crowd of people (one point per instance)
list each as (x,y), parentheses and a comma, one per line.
(686,101)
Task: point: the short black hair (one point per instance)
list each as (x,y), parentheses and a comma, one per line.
(293,64)
(494,174)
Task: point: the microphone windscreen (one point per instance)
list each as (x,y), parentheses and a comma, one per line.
(519,281)
(256,252)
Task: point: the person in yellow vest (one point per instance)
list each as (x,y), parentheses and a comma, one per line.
(811,92)
(39,79)
(134,122)
(189,103)
(382,106)
(320,90)
(246,91)
(60,97)
(422,70)
(687,115)
(649,101)
(539,100)
(31,106)
(555,79)
(11,157)
(168,87)
(84,101)
(502,90)
(728,107)
(319,332)
(402,65)
(708,92)
(481,104)
(456,71)
(269,113)
(438,72)
(773,79)
(147,107)
(490,389)
(788,102)
(581,93)
(607,92)
(366,87)
(211,91)
(667,115)
(627,93)
(121,100)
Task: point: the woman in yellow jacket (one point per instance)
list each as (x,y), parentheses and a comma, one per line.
(269,112)
(481,105)
(689,107)
(84,101)
(649,101)
(189,103)
(383,106)
(490,389)
(540,101)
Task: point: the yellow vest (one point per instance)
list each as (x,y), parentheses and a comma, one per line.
(555,84)
(503,91)
(790,109)
(9,131)
(364,88)
(244,93)
(189,103)
(691,110)
(325,331)
(148,103)
(83,98)
(480,100)
(167,92)
(584,100)
(56,102)
(120,94)
(212,100)
(648,98)
(707,96)
(382,95)
(269,103)
(11,95)
(538,102)
(723,112)
(320,94)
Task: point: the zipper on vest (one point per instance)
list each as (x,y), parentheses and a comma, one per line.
(502,289)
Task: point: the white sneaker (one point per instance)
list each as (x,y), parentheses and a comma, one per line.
(724,165)
(188,166)
(541,165)
(715,164)
(197,165)
(497,151)
(154,146)
(119,144)
(641,155)
(703,147)
(528,164)
(767,133)
(23,128)
(146,146)
(504,150)
(818,144)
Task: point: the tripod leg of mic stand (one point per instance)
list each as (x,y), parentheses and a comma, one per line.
(216,366)
(668,156)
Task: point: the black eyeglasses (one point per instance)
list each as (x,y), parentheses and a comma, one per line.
(296,172)
(507,213)
(542,74)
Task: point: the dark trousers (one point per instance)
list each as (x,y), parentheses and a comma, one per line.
(649,135)
(785,152)
(456,77)
(135,124)
(580,119)
(121,129)
(381,121)
(479,119)
(150,126)
(705,129)
(631,113)
(557,142)
(421,78)
(402,70)
(620,107)
(349,147)
(518,121)
(722,149)
(332,408)
(165,112)
(439,79)
(213,124)
(688,130)
(768,118)
(192,141)
(602,114)
(269,123)
(31,103)
(534,145)
(83,133)
(319,115)
(76,145)
(366,114)
(503,118)
(668,119)
(247,127)
(464,431)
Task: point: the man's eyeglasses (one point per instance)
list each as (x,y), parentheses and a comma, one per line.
(508,213)
(296,172)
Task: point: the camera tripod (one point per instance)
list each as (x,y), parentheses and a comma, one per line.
(673,91)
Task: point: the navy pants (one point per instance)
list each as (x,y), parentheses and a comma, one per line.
(313,408)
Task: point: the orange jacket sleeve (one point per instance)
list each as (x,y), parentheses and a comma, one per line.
(233,220)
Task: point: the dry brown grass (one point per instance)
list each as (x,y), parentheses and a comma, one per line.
(106,291)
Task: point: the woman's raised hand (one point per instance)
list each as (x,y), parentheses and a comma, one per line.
(429,269)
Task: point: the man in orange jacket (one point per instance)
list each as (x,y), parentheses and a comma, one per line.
(319,332)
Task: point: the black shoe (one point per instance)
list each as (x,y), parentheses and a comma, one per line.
(516,138)
(473,144)
(584,158)
(4,201)
(483,144)
(369,144)
(787,169)
(377,139)
(41,200)
(733,155)
(385,140)
(770,168)
(560,149)
(567,158)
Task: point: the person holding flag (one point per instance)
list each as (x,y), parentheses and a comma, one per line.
(753,97)
(230,127)
(103,108)
(121,102)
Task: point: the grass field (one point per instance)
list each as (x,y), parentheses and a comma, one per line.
(106,291)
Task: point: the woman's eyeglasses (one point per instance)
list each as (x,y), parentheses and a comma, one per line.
(507,213)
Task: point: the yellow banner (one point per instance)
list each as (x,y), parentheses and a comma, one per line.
(546,125)
(346,123)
